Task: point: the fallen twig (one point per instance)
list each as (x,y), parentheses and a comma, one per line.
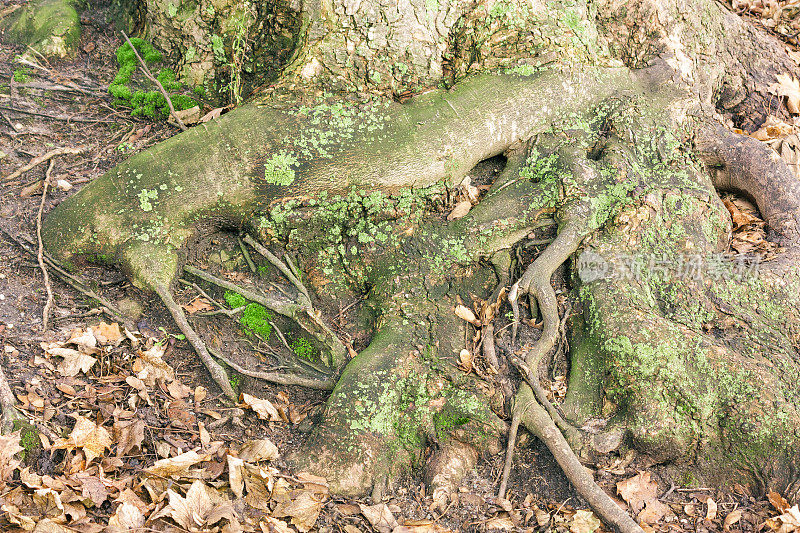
(152,78)
(40,255)
(280,265)
(57,117)
(42,158)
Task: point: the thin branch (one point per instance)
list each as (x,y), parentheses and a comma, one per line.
(246,255)
(40,255)
(152,78)
(41,159)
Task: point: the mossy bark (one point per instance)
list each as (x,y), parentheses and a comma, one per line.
(51,27)
(610,122)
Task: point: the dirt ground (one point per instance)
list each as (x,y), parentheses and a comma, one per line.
(48,105)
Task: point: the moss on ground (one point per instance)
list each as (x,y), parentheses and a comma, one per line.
(150,103)
(255,318)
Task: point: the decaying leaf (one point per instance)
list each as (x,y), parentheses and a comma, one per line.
(150,367)
(379,517)
(788,522)
(198,305)
(303,509)
(778,501)
(789,87)
(108,333)
(263,408)
(732,518)
(74,362)
(88,436)
(127,517)
(254,451)
(653,511)
(465,313)
(584,522)
(9,447)
(460,210)
(176,466)
(201,506)
(638,490)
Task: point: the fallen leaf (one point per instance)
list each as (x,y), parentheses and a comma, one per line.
(465,313)
(197,305)
(188,116)
(711,509)
(790,88)
(638,490)
(788,522)
(150,367)
(74,362)
(198,508)
(9,447)
(502,521)
(303,510)
(379,516)
(108,333)
(273,525)
(263,408)
(732,518)
(465,359)
(214,113)
(460,210)
(778,501)
(175,466)
(258,450)
(653,511)
(88,436)
(127,517)
(584,522)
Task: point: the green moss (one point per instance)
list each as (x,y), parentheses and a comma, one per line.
(146,103)
(29,438)
(22,75)
(51,27)
(303,348)
(278,169)
(234,379)
(255,318)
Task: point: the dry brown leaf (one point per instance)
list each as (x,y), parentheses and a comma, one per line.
(460,210)
(778,501)
(653,511)
(788,522)
(191,512)
(711,509)
(380,517)
(127,517)
(789,87)
(88,436)
(584,522)
(235,475)
(773,128)
(258,450)
(465,313)
(14,516)
(176,466)
(214,113)
(303,510)
(108,333)
(501,521)
(638,490)
(150,367)
(9,447)
(420,526)
(465,359)
(197,305)
(732,518)
(74,362)
(129,435)
(263,408)
(312,482)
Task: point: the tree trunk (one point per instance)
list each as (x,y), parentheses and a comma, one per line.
(606,114)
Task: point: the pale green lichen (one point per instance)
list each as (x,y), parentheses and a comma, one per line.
(278,169)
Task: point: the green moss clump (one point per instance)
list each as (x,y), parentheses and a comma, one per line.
(146,103)
(21,75)
(303,348)
(29,438)
(255,317)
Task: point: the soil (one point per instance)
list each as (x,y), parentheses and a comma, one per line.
(66,104)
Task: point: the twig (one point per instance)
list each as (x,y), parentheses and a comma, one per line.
(42,158)
(40,255)
(57,117)
(275,377)
(152,78)
(246,255)
(512,439)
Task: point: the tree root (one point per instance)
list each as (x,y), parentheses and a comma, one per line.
(741,163)
(305,316)
(40,254)
(10,414)
(280,378)
(218,373)
(527,410)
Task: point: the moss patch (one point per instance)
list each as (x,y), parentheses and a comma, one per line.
(51,27)
(255,318)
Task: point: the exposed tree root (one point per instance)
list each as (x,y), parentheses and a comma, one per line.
(41,159)
(305,316)
(280,378)
(743,164)
(40,254)
(218,373)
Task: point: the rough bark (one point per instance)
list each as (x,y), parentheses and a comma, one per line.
(611,97)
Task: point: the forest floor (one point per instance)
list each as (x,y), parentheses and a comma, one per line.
(128,416)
